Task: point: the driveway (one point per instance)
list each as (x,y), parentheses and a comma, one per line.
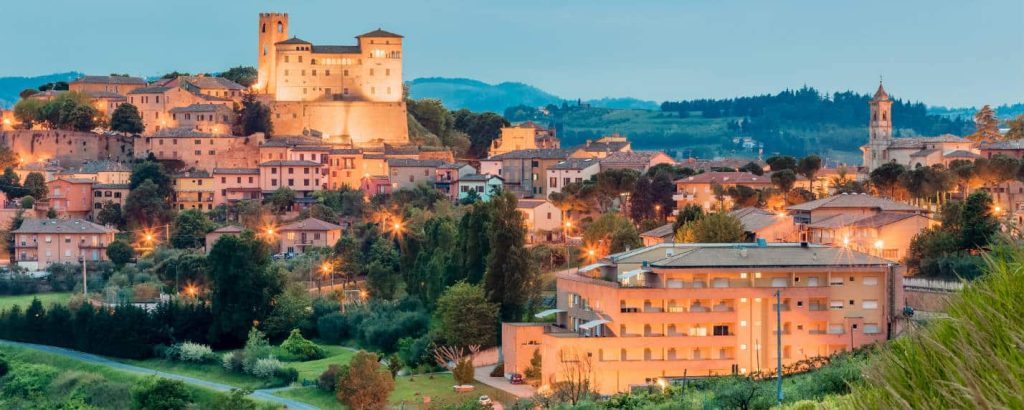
(483,375)
(263,394)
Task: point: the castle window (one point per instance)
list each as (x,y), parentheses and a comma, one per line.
(300,59)
(344,73)
(280,27)
(286,59)
(883,115)
(303,73)
(387,71)
(312,61)
(327,73)
(286,72)
(314,73)
(264,28)
(264,49)
(345,91)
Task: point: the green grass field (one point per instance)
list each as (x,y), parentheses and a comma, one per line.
(409,391)
(6,302)
(206,371)
(202,397)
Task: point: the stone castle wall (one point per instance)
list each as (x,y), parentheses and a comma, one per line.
(34,145)
(366,123)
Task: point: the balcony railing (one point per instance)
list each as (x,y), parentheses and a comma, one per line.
(817,307)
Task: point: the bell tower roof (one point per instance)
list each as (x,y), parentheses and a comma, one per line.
(881,95)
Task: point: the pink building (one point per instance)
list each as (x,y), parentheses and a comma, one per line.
(310,232)
(71,197)
(40,242)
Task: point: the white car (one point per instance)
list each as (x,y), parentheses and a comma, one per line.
(484,401)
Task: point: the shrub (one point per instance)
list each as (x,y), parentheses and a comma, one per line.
(195,352)
(284,376)
(265,368)
(4,367)
(363,384)
(28,380)
(233,361)
(463,372)
(161,394)
(256,348)
(235,400)
(498,371)
(332,327)
(301,347)
(328,380)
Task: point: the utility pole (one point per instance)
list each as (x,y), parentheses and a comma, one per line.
(85,282)
(778,343)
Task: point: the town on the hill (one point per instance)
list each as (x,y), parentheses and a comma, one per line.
(326,234)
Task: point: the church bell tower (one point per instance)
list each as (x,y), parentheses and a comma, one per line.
(879,129)
(273,27)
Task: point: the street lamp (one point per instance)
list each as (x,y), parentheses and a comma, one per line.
(326,268)
(565,238)
(191,290)
(879,244)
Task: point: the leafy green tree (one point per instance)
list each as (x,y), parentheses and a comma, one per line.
(979,225)
(382,277)
(16,221)
(743,196)
(718,227)
(189,229)
(81,118)
(254,117)
(612,183)
(436,263)
(292,310)
(155,172)
(752,168)
(126,118)
(1016,128)
(110,214)
(363,384)
(511,279)
(281,200)
(145,206)
(691,212)
(120,252)
(235,400)
(51,213)
(242,288)
(432,114)
(35,184)
(782,162)
(27,202)
(741,393)
(886,178)
(243,75)
(612,232)
(29,111)
(474,243)
(809,167)
(784,180)
(158,393)
(641,201)
(28,92)
(464,316)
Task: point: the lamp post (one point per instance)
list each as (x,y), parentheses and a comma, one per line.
(778,344)
(565,238)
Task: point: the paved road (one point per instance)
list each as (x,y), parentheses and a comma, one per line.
(263,394)
(483,375)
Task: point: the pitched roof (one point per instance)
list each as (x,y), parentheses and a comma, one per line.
(185,132)
(158,89)
(379,33)
(409,162)
(882,219)
(738,178)
(310,224)
(228,229)
(855,201)
(75,180)
(111,186)
(293,40)
(103,94)
(1008,144)
(533,153)
(401,149)
(776,255)
(635,158)
(237,171)
(109,79)
(924,152)
(610,146)
(199,108)
(290,163)
(336,50)
(61,226)
(660,232)
(919,142)
(530,203)
(92,167)
(478,177)
(961,154)
(454,165)
(576,163)
(755,219)
(208,82)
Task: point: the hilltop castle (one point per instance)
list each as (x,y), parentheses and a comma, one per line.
(347,94)
(911,151)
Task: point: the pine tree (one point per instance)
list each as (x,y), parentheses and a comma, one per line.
(511,278)
(986,126)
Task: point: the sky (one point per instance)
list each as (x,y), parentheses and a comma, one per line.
(950,53)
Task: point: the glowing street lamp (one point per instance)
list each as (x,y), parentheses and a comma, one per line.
(191,290)
(846,242)
(879,244)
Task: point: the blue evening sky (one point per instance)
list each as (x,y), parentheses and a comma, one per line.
(940,52)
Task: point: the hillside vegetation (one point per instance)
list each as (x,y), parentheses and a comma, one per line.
(11,86)
(973,360)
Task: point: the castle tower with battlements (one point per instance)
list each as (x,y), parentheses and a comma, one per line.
(344,93)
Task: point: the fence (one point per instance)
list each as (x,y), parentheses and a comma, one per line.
(932,285)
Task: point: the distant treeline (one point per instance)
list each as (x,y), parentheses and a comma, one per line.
(809,106)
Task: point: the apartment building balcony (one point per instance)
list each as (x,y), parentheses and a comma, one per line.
(684,196)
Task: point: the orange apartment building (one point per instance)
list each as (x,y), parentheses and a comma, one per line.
(231,185)
(194,190)
(70,197)
(674,310)
(41,242)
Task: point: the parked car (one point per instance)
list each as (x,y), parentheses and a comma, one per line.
(484,400)
(516,379)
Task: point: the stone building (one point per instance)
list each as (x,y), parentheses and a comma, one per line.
(527,135)
(910,151)
(347,93)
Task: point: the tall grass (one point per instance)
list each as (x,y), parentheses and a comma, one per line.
(973,360)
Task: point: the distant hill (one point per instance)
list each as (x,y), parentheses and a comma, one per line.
(458,93)
(10,87)
(1004,112)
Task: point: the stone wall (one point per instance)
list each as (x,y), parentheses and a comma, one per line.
(34,145)
(366,123)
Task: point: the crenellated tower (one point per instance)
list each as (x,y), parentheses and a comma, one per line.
(273,27)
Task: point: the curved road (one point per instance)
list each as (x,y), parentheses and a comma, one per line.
(263,394)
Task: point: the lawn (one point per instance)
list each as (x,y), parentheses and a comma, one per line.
(203,397)
(408,391)
(6,302)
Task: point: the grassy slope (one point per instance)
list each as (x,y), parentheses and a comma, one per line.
(408,391)
(973,360)
(203,397)
(6,302)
